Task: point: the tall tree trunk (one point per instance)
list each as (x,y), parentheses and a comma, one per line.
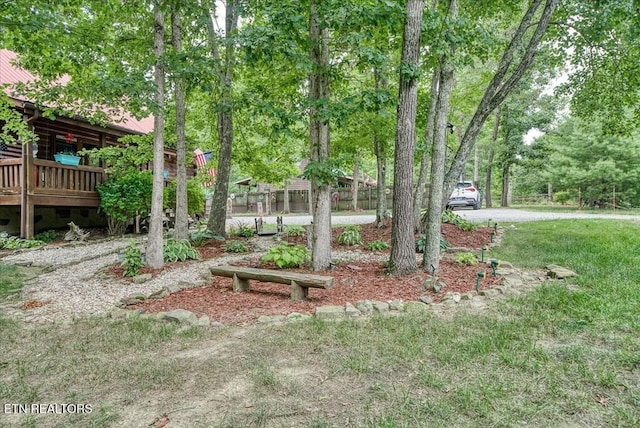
(506,170)
(381,194)
(355,184)
(319,139)
(487,182)
(218,215)
(182,221)
(494,138)
(155,257)
(379,148)
(418,196)
(403,253)
(431,256)
(476,166)
(503,82)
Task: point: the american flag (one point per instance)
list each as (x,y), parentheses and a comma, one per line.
(201,160)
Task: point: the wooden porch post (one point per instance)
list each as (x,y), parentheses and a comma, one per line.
(26,203)
(286,208)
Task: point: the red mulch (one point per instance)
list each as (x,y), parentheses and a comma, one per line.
(220,303)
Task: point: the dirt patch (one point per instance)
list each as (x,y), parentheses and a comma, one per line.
(353,282)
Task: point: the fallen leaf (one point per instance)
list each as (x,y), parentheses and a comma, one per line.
(602,400)
(160,422)
(33,304)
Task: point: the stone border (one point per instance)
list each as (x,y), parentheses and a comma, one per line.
(514,282)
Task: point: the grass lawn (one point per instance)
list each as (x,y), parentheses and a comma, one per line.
(562,355)
(574,208)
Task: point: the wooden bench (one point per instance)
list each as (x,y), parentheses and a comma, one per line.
(299,282)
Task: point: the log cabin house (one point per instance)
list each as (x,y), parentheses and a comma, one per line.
(38,193)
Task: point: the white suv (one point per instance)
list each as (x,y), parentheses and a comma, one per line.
(465,195)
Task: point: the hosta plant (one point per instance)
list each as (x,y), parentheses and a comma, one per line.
(133,260)
(286,256)
(296,230)
(235,247)
(376,245)
(468,259)
(179,251)
(350,236)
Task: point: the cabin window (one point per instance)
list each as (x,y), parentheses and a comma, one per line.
(63,147)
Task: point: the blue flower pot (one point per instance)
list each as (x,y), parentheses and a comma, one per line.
(71,160)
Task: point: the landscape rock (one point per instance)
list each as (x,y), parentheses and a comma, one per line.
(297,316)
(330,312)
(559,272)
(180,316)
(491,292)
(415,307)
(132,299)
(159,294)
(351,311)
(425,299)
(203,321)
(139,279)
(456,297)
(512,281)
(396,305)
(380,306)
(469,296)
(365,306)
(271,319)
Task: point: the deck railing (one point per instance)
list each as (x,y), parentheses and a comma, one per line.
(55,176)
(10,174)
(50,177)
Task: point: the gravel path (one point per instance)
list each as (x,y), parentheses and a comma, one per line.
(72,285)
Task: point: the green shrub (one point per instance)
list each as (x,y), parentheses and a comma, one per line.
(179,251)
(296,230)
(350,236)
(122,197)
(561,197)
(46,236)
(243,230)
(13,242)
(132,259)
(468,259)
(376,246)
(235,247)
(195,196)
(286,256)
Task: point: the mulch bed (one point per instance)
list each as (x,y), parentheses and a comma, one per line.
(353,282)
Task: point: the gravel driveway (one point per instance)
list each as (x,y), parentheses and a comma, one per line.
(482,215)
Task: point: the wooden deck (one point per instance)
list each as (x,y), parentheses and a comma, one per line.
(50,184)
